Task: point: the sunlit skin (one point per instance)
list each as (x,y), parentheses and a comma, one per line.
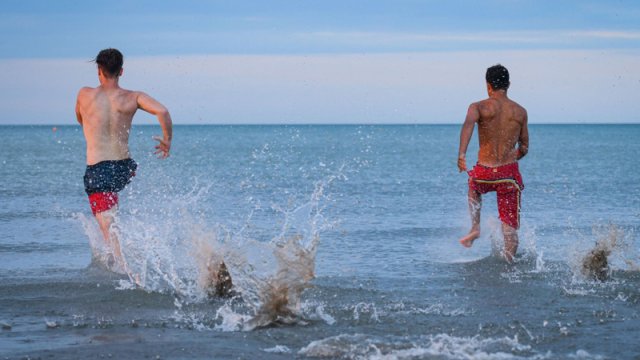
(105,114)
(503,139)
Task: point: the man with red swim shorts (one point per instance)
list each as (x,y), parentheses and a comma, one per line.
(105,114)
(504,139)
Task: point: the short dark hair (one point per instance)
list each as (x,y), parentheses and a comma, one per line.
(498,77)
(110,61)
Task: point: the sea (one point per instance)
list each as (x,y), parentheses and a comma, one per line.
(341,242)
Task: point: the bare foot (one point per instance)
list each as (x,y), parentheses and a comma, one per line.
(467,240)
(136,279)
(111,261)
(508,257)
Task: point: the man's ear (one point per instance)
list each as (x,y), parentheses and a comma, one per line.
(121,71)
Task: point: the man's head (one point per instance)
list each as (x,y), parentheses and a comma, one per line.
(110,62)
(498,77)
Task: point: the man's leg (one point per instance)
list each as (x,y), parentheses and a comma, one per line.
(510,242)
(509,210)
(475,205)
(105,220)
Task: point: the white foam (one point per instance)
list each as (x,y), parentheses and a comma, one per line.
(315,311)
(366,308)
(278,349)
(229,320)
(585,355)
(360,346)
(578,291)
(438,309)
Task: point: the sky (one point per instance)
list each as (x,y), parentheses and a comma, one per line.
(334,62)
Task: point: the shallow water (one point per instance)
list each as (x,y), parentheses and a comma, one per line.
(360,223)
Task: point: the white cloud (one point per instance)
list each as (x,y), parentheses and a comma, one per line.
(403,38)
(531,37)
(608,34)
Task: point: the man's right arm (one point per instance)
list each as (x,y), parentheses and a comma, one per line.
(473,115)
(152,106)
(78,113)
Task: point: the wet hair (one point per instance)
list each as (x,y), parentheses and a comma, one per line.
(110,61)
(498,77)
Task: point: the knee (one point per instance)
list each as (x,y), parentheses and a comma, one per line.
(509,231)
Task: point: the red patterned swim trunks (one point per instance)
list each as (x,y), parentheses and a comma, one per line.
(506,181)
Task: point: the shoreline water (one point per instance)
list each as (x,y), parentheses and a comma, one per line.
(390,278)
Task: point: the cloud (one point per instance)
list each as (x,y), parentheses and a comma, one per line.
(608,34)
(398,38)
(541,38)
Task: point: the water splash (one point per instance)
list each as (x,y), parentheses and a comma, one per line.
(527,250)
(178,251)
(271,276)
(102,254)
(613,250)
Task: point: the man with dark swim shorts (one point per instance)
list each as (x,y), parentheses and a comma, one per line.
(504,139)
(103,181)
(105,114)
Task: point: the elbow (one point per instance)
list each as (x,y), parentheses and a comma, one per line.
(164,113)
(522,151)
(164,116)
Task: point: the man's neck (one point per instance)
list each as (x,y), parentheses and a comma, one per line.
(109,83)
(498,94)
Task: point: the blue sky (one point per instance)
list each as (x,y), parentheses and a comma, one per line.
(326,61)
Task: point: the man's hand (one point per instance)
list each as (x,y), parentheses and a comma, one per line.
(462,163)
(163,147)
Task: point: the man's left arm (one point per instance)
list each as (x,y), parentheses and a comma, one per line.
(523,140)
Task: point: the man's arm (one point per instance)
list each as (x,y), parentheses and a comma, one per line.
(473,115)
(523,140)
(78,113)
(152,106)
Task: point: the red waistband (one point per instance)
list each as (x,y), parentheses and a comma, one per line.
(507,167)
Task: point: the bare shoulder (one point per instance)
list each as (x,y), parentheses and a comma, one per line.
(145,100)
(128,93)
(130,96)
(85,91)
(85,94)
(487,107)
(519,110)
(141,94)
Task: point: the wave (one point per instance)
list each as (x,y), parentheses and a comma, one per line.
(361,346)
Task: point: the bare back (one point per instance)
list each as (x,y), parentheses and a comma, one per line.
(501,126)
(106,115)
